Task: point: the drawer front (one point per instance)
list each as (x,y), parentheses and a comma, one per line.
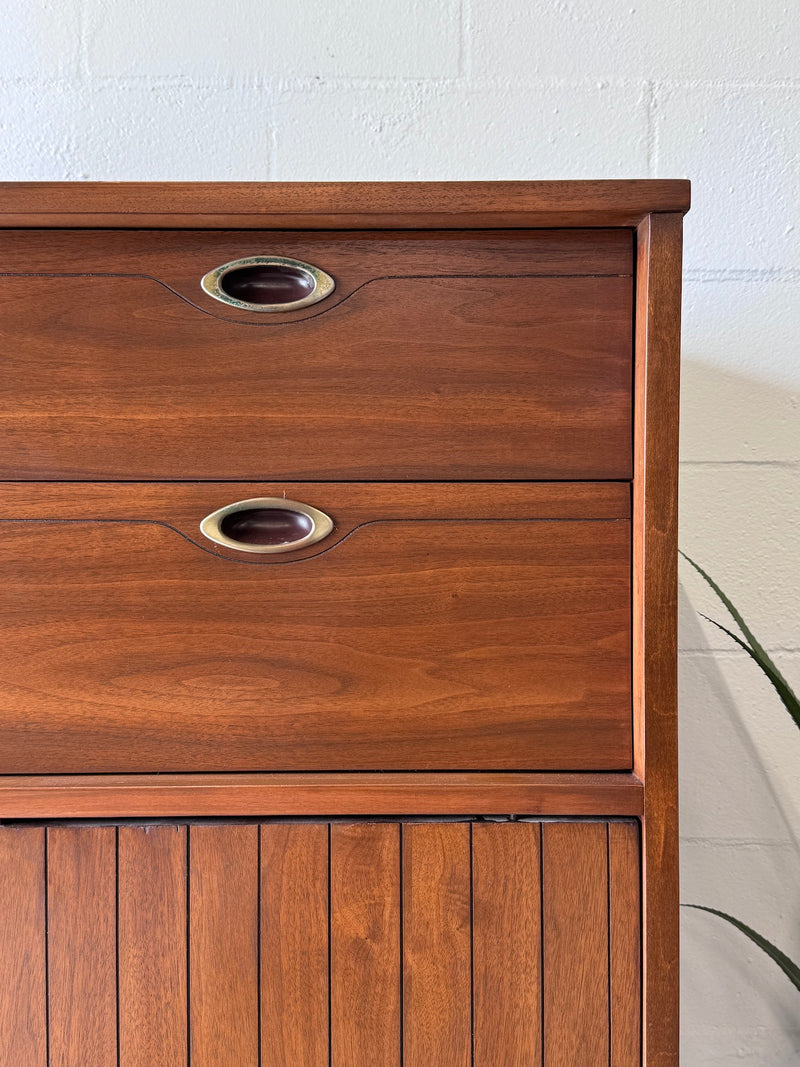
(438,356)
(471,631)
(239,943)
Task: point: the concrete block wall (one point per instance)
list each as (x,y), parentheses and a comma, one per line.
(262,89)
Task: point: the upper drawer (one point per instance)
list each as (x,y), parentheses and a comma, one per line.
(438,356)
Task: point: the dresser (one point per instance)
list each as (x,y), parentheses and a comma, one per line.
(338,611)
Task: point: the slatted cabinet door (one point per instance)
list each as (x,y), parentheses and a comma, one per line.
(312,944)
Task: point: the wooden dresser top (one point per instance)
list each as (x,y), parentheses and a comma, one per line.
(338,205)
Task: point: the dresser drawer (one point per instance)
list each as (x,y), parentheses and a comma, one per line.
(452,628)
(438,356)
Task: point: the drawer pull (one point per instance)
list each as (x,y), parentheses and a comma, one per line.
(268,283)
(266,524)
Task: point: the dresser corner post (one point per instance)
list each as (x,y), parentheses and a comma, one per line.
(655,532)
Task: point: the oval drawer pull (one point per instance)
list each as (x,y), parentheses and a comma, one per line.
(266,524)
(268,283)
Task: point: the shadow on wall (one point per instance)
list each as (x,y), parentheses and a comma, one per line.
(740,751)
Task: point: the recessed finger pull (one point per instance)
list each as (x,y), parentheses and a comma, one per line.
(268,283)
(266,524)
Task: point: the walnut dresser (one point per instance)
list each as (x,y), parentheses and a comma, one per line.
(337,597)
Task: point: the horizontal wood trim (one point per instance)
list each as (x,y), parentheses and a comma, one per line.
(183,505)
(155,795)
(337,205)
(179,259)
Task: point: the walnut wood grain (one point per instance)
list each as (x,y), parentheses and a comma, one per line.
(513,636)
(482,793)
(575,935)
(178,259)
(82,954)
(517,378)
(223,949)
(294,945)
(655,591)
(437,964)
(625,944)
(23,981)
(350,504)
(411,378)
(435,934)
(365,945)
(151,935)
(183,506)
(337,205)
(507,944)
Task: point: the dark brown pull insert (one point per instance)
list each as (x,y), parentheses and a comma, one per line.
(266,524)
(268,283)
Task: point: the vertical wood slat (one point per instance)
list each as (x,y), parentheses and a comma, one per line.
(82,951)
(590,942)
(23,985)
(575,933)
(365,945)
(294,945)
(507,944)
(223,949)
(625,957)
(151,928)
(436,917)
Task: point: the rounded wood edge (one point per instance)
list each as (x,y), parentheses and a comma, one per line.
(337,205)
(454,793)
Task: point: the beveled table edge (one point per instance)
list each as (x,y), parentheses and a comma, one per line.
(339,205)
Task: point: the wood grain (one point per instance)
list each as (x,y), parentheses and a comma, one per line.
(502,367)
(435,943)
(336,205)
(365,945)
(514,636)
(294,945)
(183,506)
(223,951)
(575,932)
(151,901)
(447,793)
(507,944)
(655,593)
(23,1002)
(82,955)
(625,945)
(436,906)
(442,378)
(178,259)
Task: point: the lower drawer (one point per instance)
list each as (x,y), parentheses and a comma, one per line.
(350,944)
(436,627)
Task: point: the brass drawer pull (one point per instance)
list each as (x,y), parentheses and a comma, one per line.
(266,524)
(268,283)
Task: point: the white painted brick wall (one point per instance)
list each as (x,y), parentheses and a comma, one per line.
(261,89)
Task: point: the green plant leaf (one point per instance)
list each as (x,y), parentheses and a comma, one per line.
(752,647)
(788,697)
(789,967)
